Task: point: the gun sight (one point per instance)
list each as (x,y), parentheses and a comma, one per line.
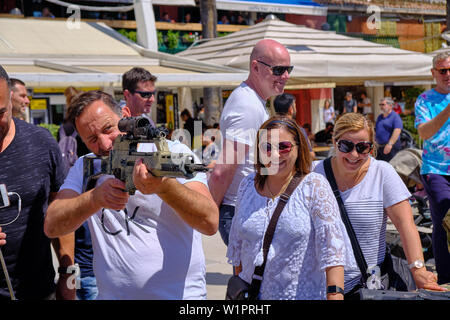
(122,157)
(140,127)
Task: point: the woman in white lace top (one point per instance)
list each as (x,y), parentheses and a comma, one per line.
(310,246)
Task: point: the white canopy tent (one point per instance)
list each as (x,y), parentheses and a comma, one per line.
(54,53)
(317,56)
(321,59)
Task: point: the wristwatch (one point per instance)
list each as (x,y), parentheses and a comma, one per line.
(417,264)
(335,289)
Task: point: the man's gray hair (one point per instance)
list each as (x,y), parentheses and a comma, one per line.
(388,100)
(440,57)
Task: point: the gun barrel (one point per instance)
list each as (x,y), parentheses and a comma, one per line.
(196,168)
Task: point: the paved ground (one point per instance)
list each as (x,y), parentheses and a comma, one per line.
(218,271)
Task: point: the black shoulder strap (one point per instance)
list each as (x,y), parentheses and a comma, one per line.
(268,236)
(359,256)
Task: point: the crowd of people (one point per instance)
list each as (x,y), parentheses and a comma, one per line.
(226,18)
(148,244)
(38,10)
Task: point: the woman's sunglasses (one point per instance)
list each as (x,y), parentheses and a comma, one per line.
(283,147)
(278,70)
(363,147)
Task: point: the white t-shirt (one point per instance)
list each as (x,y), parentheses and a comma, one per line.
(367,109)
(328,115)
(154,255)
(380,188)
(243,114)
(309,237)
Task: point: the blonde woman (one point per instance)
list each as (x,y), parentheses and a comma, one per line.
(372,191)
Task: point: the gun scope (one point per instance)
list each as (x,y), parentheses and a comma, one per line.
(140,127)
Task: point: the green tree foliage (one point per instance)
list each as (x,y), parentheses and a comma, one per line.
(130,34)
(53,128)
(172,39)
(410,96)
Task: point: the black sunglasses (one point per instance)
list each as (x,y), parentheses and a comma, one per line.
(278,70)
(145,94)
(363,147)
(443,70)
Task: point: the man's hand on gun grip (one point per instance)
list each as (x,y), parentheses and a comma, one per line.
(111,194)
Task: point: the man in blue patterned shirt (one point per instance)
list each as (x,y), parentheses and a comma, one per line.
(432,122)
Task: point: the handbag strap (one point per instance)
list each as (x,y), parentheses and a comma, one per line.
(268,236)
(359,256)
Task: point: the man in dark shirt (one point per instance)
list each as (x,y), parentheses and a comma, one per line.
(350,104)
(285,105)
(84,255)
(166,18)
(325,135)
(189,125)
(83,245)
(32,173)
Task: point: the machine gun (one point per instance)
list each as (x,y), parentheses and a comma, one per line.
(121,159)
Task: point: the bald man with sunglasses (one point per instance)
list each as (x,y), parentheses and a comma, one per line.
(432,111)
(243,114)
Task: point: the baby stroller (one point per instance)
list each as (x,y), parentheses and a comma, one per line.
(407,163)
(407,140)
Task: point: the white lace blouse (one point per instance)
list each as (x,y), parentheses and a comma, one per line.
(309,238)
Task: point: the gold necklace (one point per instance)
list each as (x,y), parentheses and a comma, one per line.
(270,191)
(272,195)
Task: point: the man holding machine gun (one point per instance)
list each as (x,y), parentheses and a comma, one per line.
(148,245)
